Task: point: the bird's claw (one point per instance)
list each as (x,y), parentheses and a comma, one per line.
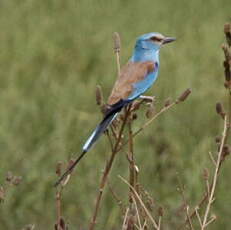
(147,98)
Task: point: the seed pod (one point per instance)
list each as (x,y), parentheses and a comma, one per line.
(99,95)
(136,105)
(167,102)
(29,227)
(220,110)
(227,31)
(121,117)
(227,70)
(160,211)
(58,170)
(116,39)
(205,173)
(184,95)
(226,51)
(226,149)
(134,116)
(227,84)
(17,180)
(150,111)
(104,108)
(9,176)
(115,122)
(62,224)
(225,152)
(218,140)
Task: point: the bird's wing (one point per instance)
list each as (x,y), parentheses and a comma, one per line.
(131,74)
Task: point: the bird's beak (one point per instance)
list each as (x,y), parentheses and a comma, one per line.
(168,40)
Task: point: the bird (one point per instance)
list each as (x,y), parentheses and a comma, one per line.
(135,78)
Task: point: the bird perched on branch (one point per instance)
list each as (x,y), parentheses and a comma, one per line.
(135,78)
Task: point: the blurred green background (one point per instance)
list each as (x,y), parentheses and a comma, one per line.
(53,54)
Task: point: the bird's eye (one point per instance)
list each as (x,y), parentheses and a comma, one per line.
(156,39)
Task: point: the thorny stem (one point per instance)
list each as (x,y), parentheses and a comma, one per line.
(215,177)
(107,170)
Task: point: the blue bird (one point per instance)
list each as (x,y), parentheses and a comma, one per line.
(137,76)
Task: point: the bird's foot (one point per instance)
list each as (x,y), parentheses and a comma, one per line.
(148,98)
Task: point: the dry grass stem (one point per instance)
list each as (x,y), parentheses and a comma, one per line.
(137,214)
(215,177)
(124,226)
(189,218)
(154,223)
(212,158)
(198,216)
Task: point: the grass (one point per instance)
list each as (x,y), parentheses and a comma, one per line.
(52,56)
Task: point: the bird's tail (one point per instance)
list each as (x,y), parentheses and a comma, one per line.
(101,128)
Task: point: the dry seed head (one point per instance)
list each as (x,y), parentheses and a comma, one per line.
(227,84)
(121,117)
(225,151)
(9,176)
(167,102)
(29,227)
(115,122)
(99,95)
(227,28)
(184,95)
(227,31)
(160,211)
(205,173)
(220,110)
(136,105)
(70,163)
(150,111)
(226,51)
(116,39)
(227,71)
(218,140)
(134,116)
(62,223)
(104,108)
(58,170)
(17,180)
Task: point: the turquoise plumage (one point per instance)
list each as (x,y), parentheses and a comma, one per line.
(136,77)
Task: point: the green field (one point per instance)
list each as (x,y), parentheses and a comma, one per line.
(53,54)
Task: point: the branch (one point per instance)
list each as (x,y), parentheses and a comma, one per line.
(215,177)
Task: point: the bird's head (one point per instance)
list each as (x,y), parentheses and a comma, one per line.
(152,41)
